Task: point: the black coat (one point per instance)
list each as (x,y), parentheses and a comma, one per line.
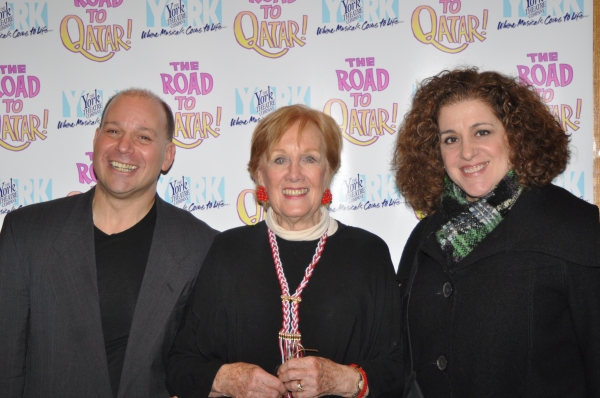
(520,315)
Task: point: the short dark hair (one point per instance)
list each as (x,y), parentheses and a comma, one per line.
(141,92)
(539,146)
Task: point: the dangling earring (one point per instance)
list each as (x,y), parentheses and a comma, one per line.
(327,197)
(261,194)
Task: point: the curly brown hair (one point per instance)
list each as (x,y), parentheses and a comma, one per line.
(539,147)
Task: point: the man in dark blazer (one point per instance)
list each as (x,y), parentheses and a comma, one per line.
(93,286)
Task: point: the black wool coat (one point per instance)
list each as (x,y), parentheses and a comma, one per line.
(348,311)
(520,315)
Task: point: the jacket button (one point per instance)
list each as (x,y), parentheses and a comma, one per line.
(447,289)
(441,362)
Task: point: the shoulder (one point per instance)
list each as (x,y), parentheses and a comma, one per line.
(557,198)
(244,235)
(553,220)
(360,253)
(359,241)
(240,245)
(52,211)
(358,235)
(552,206)
(184,219)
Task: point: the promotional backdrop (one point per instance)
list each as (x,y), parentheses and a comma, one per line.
(222,65)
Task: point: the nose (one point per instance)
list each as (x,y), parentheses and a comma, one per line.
(294,172)
(468,149)
(125,144)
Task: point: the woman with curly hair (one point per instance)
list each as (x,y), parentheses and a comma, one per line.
(503,271)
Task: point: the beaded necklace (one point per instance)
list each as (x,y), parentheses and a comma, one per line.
(290,345)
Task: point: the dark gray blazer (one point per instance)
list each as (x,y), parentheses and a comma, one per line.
(51,342)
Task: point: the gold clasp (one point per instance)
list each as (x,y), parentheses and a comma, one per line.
(290,336)
(291,298)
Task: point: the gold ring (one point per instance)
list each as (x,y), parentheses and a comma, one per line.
(299,386)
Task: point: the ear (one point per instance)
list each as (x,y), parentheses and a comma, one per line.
(260,179)
(328,177)
(508,149)
(96,136)
(169,157)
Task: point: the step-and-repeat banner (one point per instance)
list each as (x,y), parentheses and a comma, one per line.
(222,65)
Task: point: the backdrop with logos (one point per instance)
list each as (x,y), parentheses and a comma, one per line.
(222,65)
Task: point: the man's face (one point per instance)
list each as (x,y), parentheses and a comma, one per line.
(131,148)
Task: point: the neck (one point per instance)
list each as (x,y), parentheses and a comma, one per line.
(324,223)
(298,225)
(112,215)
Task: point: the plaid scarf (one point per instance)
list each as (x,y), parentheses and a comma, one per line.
(465,223)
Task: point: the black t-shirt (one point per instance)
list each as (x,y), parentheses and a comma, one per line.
(120,264)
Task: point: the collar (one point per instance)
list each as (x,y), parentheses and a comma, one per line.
(326,223)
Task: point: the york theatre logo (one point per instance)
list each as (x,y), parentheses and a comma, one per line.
(540,12)
(15,193)
(176,13)
(193,193)
(81,107)
(6,17)
(365,192)
(535,8)
(179,191)
(23,19)
(350,15)
(175,17)
(355,188)
(350,11)
(253,100)
(91,103)
(8,193)
(256,102)
(265,101)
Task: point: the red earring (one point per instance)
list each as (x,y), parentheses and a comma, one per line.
(327,197)
(261,194)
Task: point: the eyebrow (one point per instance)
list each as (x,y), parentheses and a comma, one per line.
(470,127)
(308,150)
(137,127)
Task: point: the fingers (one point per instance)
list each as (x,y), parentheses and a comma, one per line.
(299,389)
(317,377)
(272,383)
(311,373)
(247,381)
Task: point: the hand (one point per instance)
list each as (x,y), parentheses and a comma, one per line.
(244,380)
(318,376)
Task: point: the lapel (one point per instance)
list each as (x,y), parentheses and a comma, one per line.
(74,282)
(161,287)
(429,244)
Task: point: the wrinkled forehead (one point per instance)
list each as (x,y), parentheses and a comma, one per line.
(152,105)
(300,129)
